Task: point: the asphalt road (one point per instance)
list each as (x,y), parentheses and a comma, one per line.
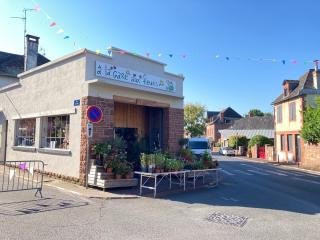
(253,201)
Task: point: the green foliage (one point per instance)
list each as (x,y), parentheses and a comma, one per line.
(311,124)
(160,160)
(260,140)
(206,156)
(256,113)
(236,141)
(194,119)
(187,155)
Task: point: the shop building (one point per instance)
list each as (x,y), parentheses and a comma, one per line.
(43,116)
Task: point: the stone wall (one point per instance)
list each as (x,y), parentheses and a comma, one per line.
(311,156)
(101,131)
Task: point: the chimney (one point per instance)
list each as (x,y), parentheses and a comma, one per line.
(316,77)
(31,52)
(222,116)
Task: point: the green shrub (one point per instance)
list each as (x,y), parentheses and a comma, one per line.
(260,140)
(311,124)
(236,141)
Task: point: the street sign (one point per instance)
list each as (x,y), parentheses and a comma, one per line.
(94,114)
(76,102)
(89,130)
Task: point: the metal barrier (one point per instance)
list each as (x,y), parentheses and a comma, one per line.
(21,176)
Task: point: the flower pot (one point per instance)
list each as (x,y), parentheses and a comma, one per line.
(128,176)
(158,170)
(109,170)
(117,176)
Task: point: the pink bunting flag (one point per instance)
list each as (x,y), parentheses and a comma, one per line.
(37,8)
(294,62)
(53,24)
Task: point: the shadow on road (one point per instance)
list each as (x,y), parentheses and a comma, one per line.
(257,191)
(38,206)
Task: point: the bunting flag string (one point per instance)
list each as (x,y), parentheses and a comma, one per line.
(60,31)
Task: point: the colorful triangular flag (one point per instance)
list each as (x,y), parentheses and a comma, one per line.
(52,24)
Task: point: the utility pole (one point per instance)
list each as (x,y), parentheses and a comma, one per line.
(24,19)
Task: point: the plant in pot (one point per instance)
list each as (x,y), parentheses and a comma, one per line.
(207,160)
(128,174)
(98,152)
(119,169)
(109,166)
(144,161)
(159,162)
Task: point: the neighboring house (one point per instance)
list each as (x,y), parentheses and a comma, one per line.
(249,127)
(13,64)
(288,109)
(218,121)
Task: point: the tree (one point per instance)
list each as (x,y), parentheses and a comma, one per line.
(236,141)
(311,124)
(256,113)
(260,140)
(194,119)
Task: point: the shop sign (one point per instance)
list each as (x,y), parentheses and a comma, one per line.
(94,114)
(133,77)
(76,102)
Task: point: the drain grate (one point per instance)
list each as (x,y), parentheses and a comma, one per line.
(237,221)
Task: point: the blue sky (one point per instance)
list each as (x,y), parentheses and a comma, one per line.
(242,29)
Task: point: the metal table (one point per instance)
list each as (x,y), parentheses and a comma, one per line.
(181,177)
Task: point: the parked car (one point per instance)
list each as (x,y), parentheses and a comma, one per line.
(199,145)
(227,151)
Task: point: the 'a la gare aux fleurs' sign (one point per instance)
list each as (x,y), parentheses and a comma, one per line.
(133,77)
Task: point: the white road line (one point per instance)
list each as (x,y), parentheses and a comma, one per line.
(258,172)
(226,172)
(276,173)
(243,172)
(290,173)
(306,180)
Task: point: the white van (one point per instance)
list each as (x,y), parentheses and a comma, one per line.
(199,145)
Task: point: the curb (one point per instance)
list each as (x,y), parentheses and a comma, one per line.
(282,166)
(92,196)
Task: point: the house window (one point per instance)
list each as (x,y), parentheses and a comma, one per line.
(56,132)
(289,143)
(282,142)
(279,114)
(25,132)
(292,111)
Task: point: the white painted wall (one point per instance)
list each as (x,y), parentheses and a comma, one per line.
(48,91)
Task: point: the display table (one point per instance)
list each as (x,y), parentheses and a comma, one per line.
(180,178)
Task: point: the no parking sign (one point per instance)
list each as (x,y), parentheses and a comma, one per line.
(94,114)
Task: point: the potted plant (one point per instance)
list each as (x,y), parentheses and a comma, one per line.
(98,151)
(128,174)
(144,162)
(159,162)
(109,166)
(118,170)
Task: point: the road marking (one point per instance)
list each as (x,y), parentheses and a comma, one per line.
(258,172)
(243,172)
(290,173)
(305,180)
(276,173)
(226,172)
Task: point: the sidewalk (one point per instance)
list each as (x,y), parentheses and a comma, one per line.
(88,193)
(286,166)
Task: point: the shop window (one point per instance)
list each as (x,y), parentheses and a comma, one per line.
(25,132)
(292,111)
(279,114)
(56,132)
(289,143)
(282,142)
